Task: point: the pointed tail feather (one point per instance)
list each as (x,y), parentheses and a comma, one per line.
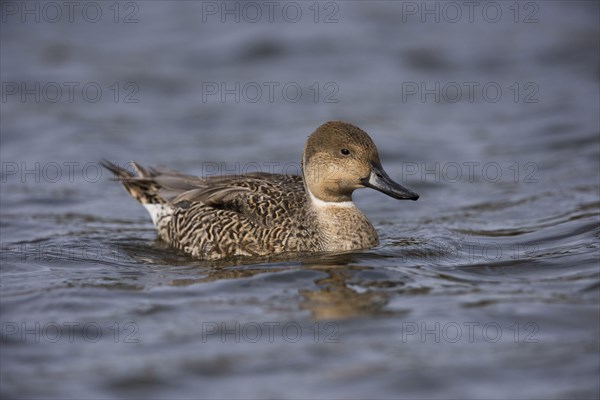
(140,185)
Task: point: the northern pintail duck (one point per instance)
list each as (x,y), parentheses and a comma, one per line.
(263,214)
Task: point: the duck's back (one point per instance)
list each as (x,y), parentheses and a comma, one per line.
(223,216)
(250,215)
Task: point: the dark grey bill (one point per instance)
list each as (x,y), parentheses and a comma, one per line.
(379,180)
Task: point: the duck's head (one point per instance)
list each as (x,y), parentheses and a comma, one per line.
(340,158)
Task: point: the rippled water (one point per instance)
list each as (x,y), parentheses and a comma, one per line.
(487,287)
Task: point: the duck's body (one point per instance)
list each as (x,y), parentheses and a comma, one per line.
(265,214)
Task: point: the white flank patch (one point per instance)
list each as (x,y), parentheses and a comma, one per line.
(156,211)
(324,204)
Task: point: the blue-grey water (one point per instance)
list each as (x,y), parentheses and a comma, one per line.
(487,287)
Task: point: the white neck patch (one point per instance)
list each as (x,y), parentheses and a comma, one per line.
(324,204)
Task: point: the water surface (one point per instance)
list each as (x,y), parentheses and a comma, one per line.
(487,287)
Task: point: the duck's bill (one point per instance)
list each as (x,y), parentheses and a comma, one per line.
(380,181)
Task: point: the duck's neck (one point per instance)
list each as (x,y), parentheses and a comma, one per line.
(342,226)
(319,204)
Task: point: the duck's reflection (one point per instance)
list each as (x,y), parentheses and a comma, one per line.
(336,293)
(335,298)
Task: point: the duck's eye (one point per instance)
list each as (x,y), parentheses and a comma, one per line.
(344,152)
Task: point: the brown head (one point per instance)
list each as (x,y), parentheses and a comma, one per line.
(340,158)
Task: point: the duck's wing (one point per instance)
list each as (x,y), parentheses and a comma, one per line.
(258,197)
